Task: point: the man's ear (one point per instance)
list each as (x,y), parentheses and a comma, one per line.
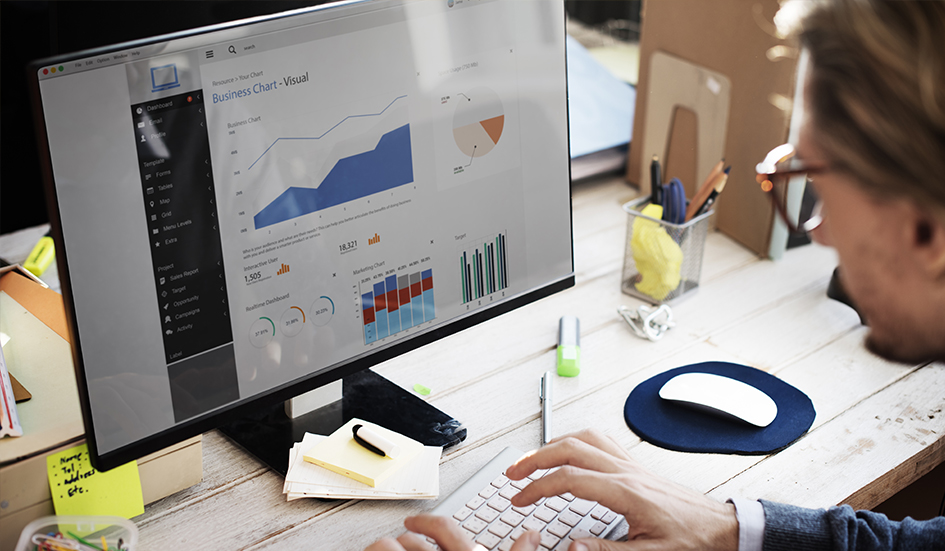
(929,243)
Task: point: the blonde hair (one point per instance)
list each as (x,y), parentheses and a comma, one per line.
(876,92)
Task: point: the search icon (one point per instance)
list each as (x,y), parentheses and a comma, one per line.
(232,49)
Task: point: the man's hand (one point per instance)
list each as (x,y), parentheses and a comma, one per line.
(447,534)
(661,515)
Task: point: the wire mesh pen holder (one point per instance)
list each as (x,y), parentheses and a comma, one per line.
(662,261)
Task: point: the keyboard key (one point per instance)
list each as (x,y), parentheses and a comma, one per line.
(475,503)
(549,540)
(488,491)
(469,535)
(559,529)
(538,474)
(609,517)
(506,545)
(487,514)
(545,514)
(521,483)
(500,481)
(517,533)
(570,518)
(526,510)
(475,525)
(582,506)
(598,512)
(567,496)
(508,492)
(500,529)
(564,544)
(489,541)
(579,533)
(559,504)
(534,524)
(499,503)
(462,514)
(512,518)
(598,528)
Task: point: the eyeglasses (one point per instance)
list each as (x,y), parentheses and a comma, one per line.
(774,173)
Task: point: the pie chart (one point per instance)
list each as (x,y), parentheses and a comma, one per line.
(478,122)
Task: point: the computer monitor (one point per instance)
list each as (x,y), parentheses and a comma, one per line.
(247,212)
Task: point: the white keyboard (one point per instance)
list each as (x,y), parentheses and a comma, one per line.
(482,507)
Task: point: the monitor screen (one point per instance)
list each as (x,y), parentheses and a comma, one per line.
(246,212)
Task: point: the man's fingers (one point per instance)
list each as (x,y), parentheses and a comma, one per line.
(570,450)
(446,532)
(413,542)
(528,541)
(590,485)
(602,442)
(386,544)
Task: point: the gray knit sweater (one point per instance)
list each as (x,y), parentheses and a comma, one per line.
(790,528)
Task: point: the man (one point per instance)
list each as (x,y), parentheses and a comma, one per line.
(873,145)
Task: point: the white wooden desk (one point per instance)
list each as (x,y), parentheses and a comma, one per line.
(879,425)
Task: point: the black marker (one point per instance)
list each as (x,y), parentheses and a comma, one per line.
(656,182)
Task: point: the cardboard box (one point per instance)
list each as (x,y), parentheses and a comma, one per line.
(52,419)
(734,38)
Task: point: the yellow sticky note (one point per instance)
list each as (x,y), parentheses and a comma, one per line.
(340,453)
(78,489)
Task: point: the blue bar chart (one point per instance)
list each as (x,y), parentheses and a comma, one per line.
(396,304)
(483,267)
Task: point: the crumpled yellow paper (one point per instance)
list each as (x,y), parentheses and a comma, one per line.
(657,256)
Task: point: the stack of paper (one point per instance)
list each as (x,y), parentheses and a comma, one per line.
(415,476)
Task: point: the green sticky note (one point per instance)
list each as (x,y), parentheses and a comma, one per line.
(420,389)
(78,489)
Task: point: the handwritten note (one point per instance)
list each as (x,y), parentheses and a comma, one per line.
(78,489)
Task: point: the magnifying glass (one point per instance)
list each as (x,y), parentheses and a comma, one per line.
(232,49)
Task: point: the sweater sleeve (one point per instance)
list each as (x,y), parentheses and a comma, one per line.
(789,528)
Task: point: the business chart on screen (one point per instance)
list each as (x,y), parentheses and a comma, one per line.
(337,191)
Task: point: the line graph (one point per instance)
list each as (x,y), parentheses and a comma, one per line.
(277,140)
(386,166)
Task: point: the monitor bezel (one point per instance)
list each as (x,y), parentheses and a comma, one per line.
(231,412)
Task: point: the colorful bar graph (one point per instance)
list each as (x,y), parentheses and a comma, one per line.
(397,303)
(483,268)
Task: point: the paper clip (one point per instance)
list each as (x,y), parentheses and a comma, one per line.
(648,323)
(56,543)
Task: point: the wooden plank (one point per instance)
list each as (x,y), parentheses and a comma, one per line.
(866,453)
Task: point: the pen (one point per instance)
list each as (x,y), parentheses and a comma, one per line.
(656,182)
(710,200)
(546,408)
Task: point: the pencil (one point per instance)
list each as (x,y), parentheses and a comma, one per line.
(710,200)
(704,190)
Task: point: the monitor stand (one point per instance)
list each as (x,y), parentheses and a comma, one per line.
(270,433)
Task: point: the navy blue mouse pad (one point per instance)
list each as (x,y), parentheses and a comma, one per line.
(679,428)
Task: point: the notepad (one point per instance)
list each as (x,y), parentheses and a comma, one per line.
(340,453)
(418,480)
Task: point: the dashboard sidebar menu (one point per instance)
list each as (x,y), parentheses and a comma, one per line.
(177,187)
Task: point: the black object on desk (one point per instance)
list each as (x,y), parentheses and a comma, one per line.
(270,434)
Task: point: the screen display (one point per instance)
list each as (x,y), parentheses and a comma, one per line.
(245,208)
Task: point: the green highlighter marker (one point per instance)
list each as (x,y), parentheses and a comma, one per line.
(569,346)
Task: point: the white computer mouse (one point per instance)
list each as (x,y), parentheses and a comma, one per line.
(721,396)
